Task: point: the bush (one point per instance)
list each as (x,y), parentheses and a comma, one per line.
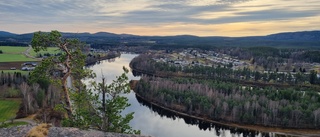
(1,51)
(39,131)
(12,93)
(40,97)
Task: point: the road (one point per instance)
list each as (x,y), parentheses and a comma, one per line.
(27,53)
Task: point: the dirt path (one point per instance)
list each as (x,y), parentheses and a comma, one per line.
(29,121)
(8,65)
(27,54)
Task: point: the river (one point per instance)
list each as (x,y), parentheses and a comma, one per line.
(160,123)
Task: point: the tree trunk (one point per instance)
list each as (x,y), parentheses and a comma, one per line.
(65,77)
(66,95)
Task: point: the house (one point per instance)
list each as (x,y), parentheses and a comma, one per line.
(28,66)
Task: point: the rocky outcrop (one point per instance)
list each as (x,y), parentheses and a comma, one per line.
(21,131)
(75,132)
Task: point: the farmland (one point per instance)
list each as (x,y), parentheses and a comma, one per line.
(13,54)
(12,49)
(8,109)
(14,58)
(51,50)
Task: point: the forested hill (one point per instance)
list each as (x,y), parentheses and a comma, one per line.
(6,34)
(296,36)
(105,39)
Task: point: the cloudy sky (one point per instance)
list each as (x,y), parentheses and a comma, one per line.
(161,17)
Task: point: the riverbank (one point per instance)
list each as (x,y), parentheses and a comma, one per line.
(248,83)
(276,130)
(92,60)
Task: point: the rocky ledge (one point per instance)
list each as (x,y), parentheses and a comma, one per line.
(21,131)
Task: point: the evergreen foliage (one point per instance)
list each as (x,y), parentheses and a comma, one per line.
(225,101)
(81,105)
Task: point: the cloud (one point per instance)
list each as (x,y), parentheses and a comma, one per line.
(256,16)
(119,14)
(167,13)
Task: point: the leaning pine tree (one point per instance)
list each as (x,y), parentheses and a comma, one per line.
(83,108)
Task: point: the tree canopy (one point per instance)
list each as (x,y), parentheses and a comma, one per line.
(82,105)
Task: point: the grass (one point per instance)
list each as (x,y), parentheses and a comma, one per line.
(14,58)
(8,109)
(12,71)
(13,49)
(16,123)
(51,50)
(13,54)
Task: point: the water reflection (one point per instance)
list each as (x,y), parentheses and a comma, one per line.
(202,125)
(157,122)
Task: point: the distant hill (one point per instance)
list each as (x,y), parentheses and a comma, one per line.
(296,36)
(6,34)
(106,39)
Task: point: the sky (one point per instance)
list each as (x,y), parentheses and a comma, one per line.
(161,17)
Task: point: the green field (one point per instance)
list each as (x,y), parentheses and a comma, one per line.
(14,58)
(8,109)
(12,71)
(51,50)
(13,49)
(14,124)
(15,54)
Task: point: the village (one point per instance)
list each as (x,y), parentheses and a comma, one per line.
(192,57)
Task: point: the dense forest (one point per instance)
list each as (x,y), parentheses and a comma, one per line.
(146,64)
(105,40)
(232,102)
(202,124)
(218,92)
(266,55)
(8,43)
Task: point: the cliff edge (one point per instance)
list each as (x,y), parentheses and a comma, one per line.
(22,131)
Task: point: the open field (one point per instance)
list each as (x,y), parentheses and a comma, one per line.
(51,50)
(12,71)
(8,108)
(13,49)
(13,54)
(14,58)
(15,123)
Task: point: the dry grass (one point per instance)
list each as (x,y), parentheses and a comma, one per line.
(39,131)
(31,116)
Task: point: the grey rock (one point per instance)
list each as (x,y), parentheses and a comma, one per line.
(75,132)
(22,131)
(18,131)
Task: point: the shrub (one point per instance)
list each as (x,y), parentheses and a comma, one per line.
(39,131)
(40,97)
(13,93)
